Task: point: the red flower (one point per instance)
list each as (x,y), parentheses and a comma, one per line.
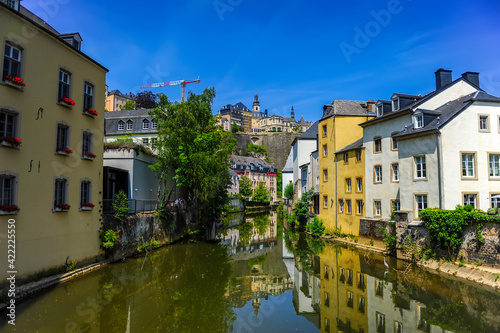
(89,154)
(67,100)
(63,206)
(65,150)
(14,79)
(11,140)
(91,111)
(9,208)
(88,204)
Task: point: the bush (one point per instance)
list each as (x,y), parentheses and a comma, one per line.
(389,238)
(316,227)
(120,206)
(492,211)
(289,191)
(109,238)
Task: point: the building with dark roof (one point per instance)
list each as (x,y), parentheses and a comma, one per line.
(258,171)
(115,100)
(135,124)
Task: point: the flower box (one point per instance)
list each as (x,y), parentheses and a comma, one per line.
(10,141)
(68,102)
(90,112)
(89,156)
(9,209)
(62,207)
(14,81)
(64,151)
(87,206)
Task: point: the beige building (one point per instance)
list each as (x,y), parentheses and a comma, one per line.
(51,130)
(257,171)
(115,99)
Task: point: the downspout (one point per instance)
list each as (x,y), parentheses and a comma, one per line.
(440,190)
(336,180)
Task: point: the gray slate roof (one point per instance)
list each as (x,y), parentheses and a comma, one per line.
(127,113)
(311,133)
(448,112)
(112,118)
(346,108)
(358,144)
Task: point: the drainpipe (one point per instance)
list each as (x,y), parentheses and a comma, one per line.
(336,180)
(438,138)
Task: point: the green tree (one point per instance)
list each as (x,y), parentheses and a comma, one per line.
(245,186)
(279,184)
(261,194)
(145,100)
(129,105)
(120,205)
(235,128)
(196,150)
(289,191)
(257,150)
(303,206)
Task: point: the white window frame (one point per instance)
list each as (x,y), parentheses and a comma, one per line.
(359,206)
(348,204)
(121,125)
(341,205)
(421,202)
(88,96)
(395,104)
(468,161)
(346,158)
(359,185)
(494,165)
(130,125)
(378,174)
(11,59)
(325,150)
(420,167)
(377,208)
(495,202)
(325,201)
(64,88)
(325,175)
(154,124)
(348,185)
(395,172)
(418,119)
(470,199)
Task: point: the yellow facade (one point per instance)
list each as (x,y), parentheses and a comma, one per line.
(344,305)
(334,133)
(350,190)
(114,102)
(46,238)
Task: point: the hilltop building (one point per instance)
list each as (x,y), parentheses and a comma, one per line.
(51,98)
(115,100)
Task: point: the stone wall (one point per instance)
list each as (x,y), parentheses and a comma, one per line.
(137,229)
(370,227)
(278,145)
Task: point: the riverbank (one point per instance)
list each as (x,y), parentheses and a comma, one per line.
(483,275)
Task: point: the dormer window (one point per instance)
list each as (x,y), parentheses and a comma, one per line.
(234,165)
(395,104)
(73,39)
(380,109)
(14,4)
(418,120)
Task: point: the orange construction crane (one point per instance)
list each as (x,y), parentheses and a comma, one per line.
(172,83)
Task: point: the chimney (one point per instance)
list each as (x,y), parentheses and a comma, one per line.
(370,106)
(265,112)
(472,77)
(443,78)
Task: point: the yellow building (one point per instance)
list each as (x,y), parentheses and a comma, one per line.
(51,98)
(344,305)
(337,129)
(350,163)
(115,100)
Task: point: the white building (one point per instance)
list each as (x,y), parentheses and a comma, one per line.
(302,147)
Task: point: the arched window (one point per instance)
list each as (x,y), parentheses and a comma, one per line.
(145,124)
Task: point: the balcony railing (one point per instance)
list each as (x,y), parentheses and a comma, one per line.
(135,206)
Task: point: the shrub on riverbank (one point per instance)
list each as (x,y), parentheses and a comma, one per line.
(316,227)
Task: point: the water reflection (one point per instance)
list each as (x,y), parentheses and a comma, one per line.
(255,280)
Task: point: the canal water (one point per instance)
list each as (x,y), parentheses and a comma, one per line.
(258,278)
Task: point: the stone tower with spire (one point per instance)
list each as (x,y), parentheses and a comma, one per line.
(256,104)
(293,113)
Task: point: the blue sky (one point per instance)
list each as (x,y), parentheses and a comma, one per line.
(293,52)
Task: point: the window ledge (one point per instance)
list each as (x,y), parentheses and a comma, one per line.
(88,158)
(4,143)
(67,105)
(58,210)
(14,85)
(8,213)
(60,152)
(86,208)
(88,114)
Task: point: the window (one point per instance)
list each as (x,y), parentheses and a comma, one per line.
(379,288)
(395,205)
(420,170)
(60,192)
(468,165)
(346,158)
(394,142)
(395,172)
(377,208)
(359,185)
(325,201)
(341,205)
(327,299)
(358,155)
(380,109)
(324,130)
(7,185)
(145,141)
(359,207)
(380,323)
(342,275)
(484,123)
(87,145)
(62,139)
(361,306)
(350,299)
(495,200)
(327,272)
(121,125)
(87,96)
(377,145)
(154,140)
(494,165)
(349,276)
(395,104)
(418,120)
(8,122)
(470,199)
(398,327)
(348,185)
(130,125)
(421,202)
(145,124)
(154,124)
(348,207)
(325,175)
(63,84)
(378,174)
(11,61)
(85,193)
(325,151)
(14,4)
